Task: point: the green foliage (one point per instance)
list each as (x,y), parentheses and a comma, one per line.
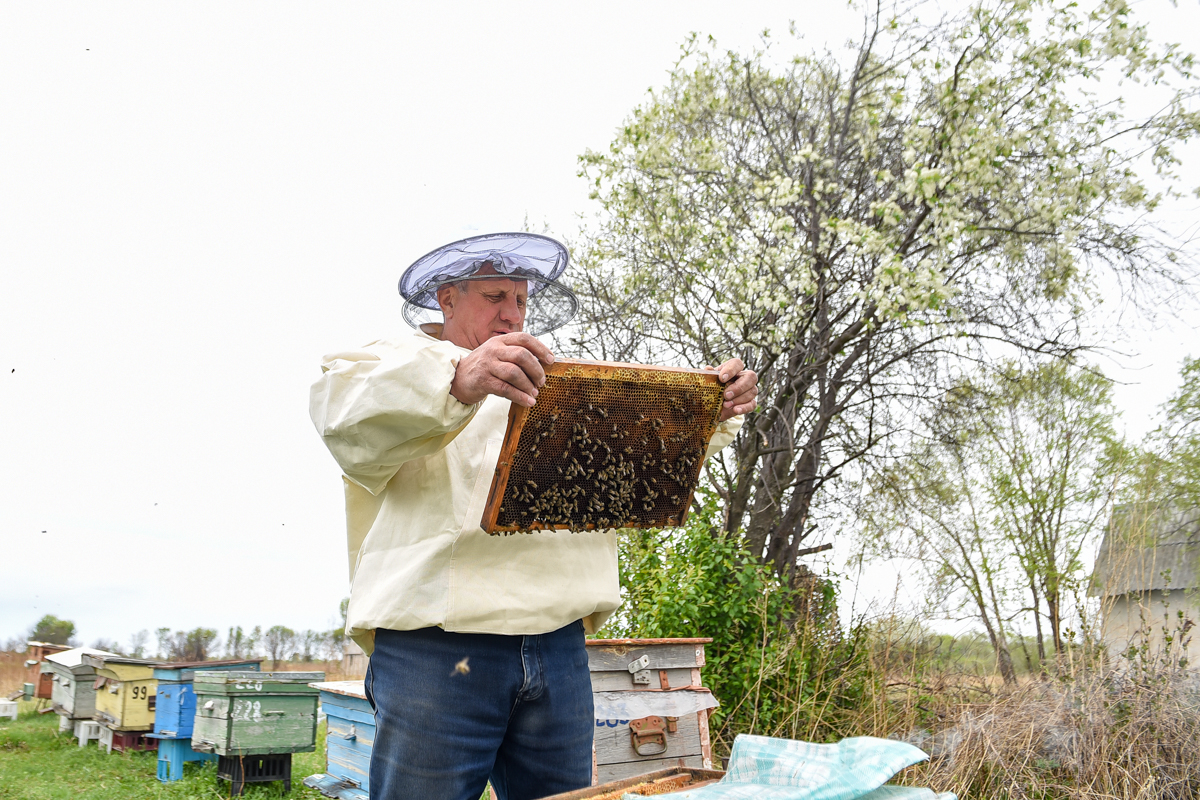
(53,630)
(778,663)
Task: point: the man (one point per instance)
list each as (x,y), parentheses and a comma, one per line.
(477,668)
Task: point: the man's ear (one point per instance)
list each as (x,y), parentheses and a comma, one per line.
(446,296)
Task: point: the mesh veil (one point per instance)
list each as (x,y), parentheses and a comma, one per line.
(537,259)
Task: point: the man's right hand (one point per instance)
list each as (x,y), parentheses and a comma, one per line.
(509,365)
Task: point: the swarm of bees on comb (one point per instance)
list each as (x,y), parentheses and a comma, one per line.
(620,447)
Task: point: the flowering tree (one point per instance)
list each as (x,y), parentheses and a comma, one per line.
(854,230)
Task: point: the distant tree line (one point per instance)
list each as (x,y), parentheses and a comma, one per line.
(276,643)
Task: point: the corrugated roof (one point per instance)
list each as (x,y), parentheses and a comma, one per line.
(1148,547)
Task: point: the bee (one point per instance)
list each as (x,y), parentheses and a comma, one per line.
(602,413)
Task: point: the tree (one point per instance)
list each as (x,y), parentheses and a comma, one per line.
(927,509)
(1170,473)
(138,643)
(164,639)
(1014,475)
(193,645)
(855,230)
(310,644)
(107,645)
(242,645)
(53,630)
(279,641)
(1053,467)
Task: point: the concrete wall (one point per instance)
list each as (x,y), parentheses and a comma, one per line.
(1146,619)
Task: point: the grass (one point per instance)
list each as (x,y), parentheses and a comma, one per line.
(38,763)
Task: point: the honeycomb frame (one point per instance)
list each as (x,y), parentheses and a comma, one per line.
(607,445)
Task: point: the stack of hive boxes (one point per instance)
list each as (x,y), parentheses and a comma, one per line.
(125,701)
(349,736)
(254,721)
(651,706)
(72,686)
(175,712)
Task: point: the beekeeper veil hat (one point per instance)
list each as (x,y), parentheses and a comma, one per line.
(539,260)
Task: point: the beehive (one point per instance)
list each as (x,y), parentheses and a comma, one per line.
(606,446)
(255,713)
(125,691)
(72,683)
(350,734)
(663,678)
(175,712)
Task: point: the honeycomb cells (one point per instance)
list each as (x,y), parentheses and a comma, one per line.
(622,450)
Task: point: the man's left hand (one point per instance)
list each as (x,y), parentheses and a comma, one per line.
(741,388)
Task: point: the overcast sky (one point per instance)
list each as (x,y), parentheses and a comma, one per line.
(199,200)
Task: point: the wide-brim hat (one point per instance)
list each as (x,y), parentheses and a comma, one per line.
(531,257)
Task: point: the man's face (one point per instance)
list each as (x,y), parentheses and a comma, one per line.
(475,311)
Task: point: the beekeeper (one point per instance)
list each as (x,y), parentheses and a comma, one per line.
(477,667)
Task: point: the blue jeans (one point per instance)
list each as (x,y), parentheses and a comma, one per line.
(518,711)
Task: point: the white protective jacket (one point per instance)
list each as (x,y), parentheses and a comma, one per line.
(417,467)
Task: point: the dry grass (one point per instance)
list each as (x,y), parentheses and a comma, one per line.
(1086,735)
(332,669)
(1095,730)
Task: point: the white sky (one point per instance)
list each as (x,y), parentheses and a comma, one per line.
(198,200)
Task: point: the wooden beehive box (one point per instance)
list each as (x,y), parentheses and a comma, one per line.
(606,446)
(659,676)
(255,713)
(72,682)
(349,736)
(175,708)
(36,652)
(662,781)
(125,691)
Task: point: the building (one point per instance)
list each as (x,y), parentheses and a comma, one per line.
(1147,577)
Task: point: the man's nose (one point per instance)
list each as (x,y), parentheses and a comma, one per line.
(511,312)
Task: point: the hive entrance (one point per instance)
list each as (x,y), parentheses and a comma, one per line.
(606,446)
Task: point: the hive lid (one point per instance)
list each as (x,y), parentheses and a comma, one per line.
(607,445)
(345,688)
(74,656)
(102,660)
(246,681)
(185,670)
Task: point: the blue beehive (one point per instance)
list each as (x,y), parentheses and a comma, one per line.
(350,733)
(175,713)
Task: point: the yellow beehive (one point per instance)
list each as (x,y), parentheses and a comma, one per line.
(125,692)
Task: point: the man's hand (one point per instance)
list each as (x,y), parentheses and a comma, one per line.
(741,388)
(509,366)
